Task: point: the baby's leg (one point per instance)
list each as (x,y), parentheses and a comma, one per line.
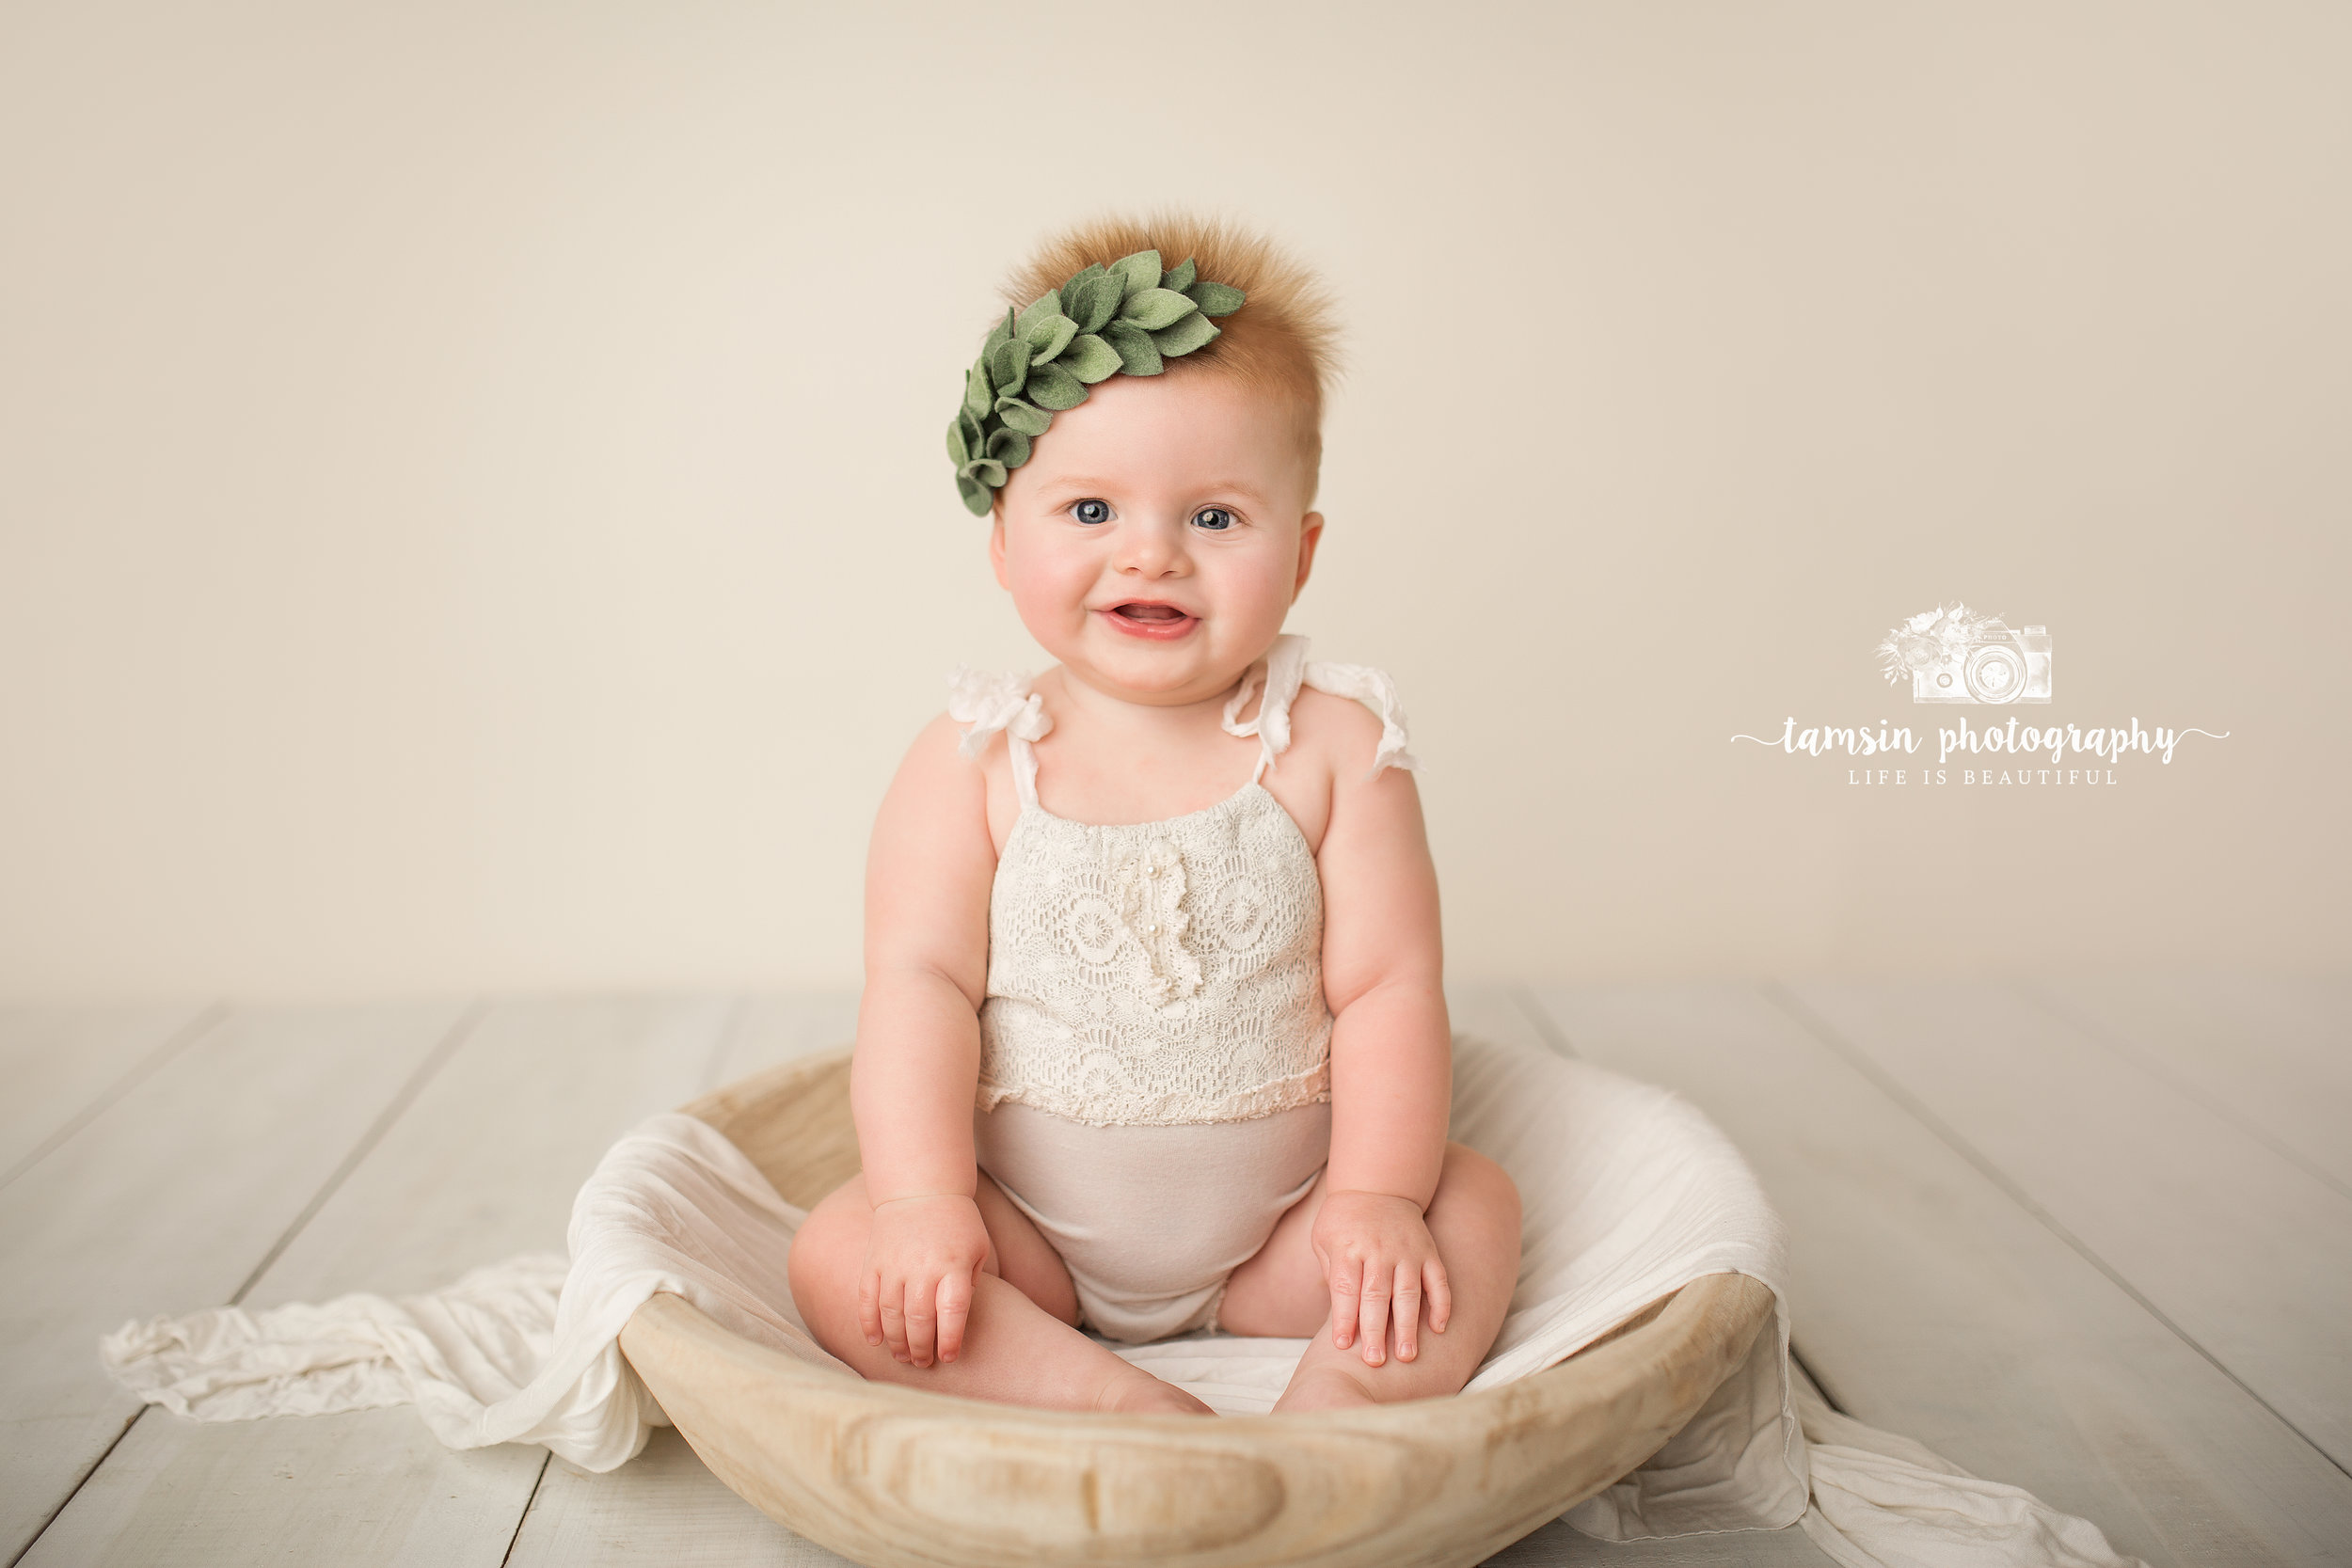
(1020,1346)
(1474,1219)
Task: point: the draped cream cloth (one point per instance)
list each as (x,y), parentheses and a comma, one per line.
(1629,1194)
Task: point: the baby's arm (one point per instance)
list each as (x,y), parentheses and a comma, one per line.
(1391,1056)
(928,875)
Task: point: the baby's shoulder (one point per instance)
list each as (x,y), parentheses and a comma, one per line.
(1355,711)
(1342,748)
(1337,730)
(942,753)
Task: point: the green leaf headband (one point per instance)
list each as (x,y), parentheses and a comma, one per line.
(1129,316)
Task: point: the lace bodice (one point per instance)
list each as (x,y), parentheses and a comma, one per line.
(1161,973)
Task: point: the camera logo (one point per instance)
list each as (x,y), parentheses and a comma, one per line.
(1954,655)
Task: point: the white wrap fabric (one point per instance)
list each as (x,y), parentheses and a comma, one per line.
(501,1356)
(1629,1194)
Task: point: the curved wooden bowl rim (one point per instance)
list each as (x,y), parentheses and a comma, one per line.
(1541,1444)
(1639,1352)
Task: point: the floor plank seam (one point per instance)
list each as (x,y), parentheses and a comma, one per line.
(1540,1020)
(529,1503)
(79,1481)
(204,1022)
(2093,1030)
(1887,1085)
(393,1110)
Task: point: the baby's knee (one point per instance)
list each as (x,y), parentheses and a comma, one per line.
(827,1249)
(1475,1182)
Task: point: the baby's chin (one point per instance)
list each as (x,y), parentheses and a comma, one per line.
(1160,673)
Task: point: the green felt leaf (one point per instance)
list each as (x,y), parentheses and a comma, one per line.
(1132,316)
(1093,301)
(1137,354)
(1138,272)
(1000,333)
(1185,336)
(1216,299)
(1008,365)
(1044,305)
(1153,309)
(1051,387)
(1090,359)
(1009,447)
(1048,336)
(1026,417)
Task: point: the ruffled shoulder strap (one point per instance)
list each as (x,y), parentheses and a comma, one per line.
(1285,670)
(986,701)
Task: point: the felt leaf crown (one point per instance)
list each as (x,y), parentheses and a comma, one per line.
(1129,316)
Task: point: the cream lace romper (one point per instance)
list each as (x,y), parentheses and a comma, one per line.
(1155,1078)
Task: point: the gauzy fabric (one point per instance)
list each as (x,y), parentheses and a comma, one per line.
(1629,1194)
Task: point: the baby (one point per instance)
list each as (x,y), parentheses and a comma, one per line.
(1153,1037)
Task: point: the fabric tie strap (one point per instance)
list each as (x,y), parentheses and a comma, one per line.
(1285,670)
(986,701)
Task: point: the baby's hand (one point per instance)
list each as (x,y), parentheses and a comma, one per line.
(1377,1256)
(923,1257)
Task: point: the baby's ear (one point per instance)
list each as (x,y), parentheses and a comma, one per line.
(1309,535)
(996,541)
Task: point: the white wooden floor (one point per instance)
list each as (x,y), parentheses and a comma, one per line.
(2094,1238)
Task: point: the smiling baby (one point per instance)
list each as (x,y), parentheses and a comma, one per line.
(1152,1037)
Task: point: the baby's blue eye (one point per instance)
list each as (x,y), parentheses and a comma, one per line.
(1213,518)
(1092,511)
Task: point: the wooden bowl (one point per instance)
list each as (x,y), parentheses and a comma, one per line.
(891,1476)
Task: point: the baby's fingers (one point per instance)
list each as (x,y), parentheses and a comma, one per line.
(922,1322)
(1407,1311)
(1372,1314)
(955,1309)
(1346,1279)
(893,1318)
(869,1307)
(1440,1294)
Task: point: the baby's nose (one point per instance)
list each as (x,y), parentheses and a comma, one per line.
(1151,550)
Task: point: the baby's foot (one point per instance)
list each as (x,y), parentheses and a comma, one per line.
(1136,1392)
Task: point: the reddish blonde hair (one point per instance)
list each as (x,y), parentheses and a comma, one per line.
(1283,340)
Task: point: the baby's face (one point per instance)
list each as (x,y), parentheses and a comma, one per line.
(1158,534)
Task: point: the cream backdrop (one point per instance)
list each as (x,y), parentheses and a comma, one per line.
(472,511)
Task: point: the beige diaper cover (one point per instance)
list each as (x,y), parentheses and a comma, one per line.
(1155,1085)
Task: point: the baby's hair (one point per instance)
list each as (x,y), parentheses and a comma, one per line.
(1284,340)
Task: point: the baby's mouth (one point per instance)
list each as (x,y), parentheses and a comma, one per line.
(1145,618)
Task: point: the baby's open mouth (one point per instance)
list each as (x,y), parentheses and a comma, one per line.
(1148,618)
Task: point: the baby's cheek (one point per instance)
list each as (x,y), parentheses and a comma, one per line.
(1255,591)
(1049,583)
